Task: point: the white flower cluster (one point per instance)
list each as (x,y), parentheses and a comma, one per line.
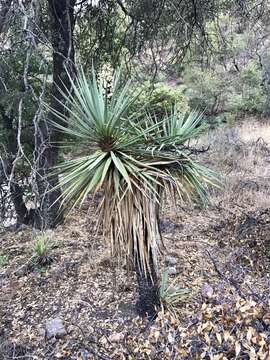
(105,78)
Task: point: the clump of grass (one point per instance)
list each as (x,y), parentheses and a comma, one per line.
(42,251)
(3,260)
(171,295)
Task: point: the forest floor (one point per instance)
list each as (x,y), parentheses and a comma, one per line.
(221,253)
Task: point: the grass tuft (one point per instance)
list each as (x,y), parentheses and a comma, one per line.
(42,251)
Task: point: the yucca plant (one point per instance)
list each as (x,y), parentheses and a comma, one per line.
(132,163)
(171,295)
(41,251)
(3,260)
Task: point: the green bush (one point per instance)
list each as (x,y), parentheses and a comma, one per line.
(160,99)
(218,91)
(205,90)
(249,95)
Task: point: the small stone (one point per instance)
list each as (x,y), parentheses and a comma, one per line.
(170,260)
(116,337)
(207,291)
(166,225)
(20,227)
(55,328)
(36,232)
(172,270)
(49,232)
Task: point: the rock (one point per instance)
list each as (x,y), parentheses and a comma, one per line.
(243,229)
(166,225)
(172,270)
(55,329)
(170,260)
(20,227)
(231,135)
(207,291)
(49,233)
(36,231)
(116,337)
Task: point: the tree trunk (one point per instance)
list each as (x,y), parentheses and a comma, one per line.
(148,300)
(19,205)
(4,10)
(16,191)
(46,153)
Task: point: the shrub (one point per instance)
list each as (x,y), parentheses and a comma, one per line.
(205,90)
(249,95)
(218,91)
(160,99)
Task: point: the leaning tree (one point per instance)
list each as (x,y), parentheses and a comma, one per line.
(133,163)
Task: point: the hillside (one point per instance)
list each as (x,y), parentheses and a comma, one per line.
(221,253)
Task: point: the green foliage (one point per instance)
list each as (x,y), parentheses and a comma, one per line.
(218,91)
(205,89)
(3,260)
(100,36)
(249,95)
(159,100)
(132,161)
(12,92)
(171,294)
(227,81)
(42,251)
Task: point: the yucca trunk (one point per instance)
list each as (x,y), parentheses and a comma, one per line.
(132,224)
(148,300)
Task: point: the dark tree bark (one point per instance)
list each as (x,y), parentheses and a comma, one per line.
(23,216)
(16,191)
(148,300)
(62,24)
(4,10)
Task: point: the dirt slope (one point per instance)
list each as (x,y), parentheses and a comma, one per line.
(222,253)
